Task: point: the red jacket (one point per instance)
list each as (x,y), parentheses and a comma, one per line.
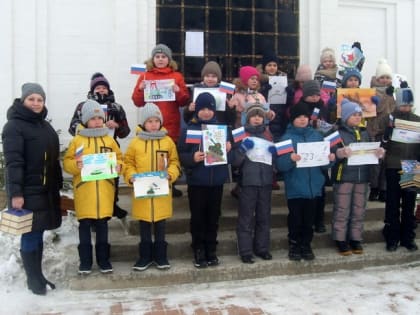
(170,110)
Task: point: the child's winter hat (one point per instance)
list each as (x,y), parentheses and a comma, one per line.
(327,53)
(205,100)
(162,49)
(383,69)
(404,96)
(349,108)
(247,72)
(303,73)
(98,79)
(269,58)
(31,88)
(212,67)
(310,88)
(91,109)
(351,72)
(254,109)
(149,110)
(299,109)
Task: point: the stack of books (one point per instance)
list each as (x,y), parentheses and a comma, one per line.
(16,222)
(410,176)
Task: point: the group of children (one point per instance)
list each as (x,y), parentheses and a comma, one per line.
(256,158)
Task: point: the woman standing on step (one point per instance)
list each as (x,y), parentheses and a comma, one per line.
(33,176)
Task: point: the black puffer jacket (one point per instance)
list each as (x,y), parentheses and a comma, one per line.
(31,152)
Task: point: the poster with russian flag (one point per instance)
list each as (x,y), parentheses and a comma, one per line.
(138,68)
(315,114)
(239,134)
(284,147)
(334,138)
(329,86)
(227,87)
(79,152)
(193,136)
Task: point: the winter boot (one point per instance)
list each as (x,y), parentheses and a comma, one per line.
(176,193)
(85,255)
(102,257)
(200,260)
(212,259)
(356,247)
(34,278)
(145,254)
(343,248)
(295,253)
(160,254)
(39,266)
(410,245)
(306,252)
(373,195)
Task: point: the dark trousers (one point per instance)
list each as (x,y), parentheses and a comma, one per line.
(101,226)
(31,241)
(158,231)
(253,228)
(300,220)
(205,204)
(399,225)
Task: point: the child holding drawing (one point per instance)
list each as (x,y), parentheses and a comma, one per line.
(151,150)
(94,200)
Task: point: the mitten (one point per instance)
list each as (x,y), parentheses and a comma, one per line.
(272,149)
(375,100)
(390,90)
(403,84)
(343,152)
(247,144)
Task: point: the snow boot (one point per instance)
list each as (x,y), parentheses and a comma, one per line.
(102,257)
(85,256)
(39,266)
(160,255)
(145,256)
(343,248)
(200,260)
(356,247)
(373,195)
(295,252)
(34,278)
(306,252)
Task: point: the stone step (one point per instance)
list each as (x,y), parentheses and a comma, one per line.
(125,247)
(231,269)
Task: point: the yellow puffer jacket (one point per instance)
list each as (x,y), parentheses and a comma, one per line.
(143,156)
(92,199)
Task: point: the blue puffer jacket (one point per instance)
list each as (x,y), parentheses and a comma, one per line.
(305,182)
(197,173)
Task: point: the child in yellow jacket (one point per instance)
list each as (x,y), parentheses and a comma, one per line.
(94,200)
(151,150)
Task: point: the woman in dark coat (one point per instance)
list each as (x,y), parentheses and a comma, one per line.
(33,176)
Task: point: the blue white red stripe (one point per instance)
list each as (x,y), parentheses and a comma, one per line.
(138,68)
(79,152)
(193,136)
(334,138)
(315,114)
(328,85)
(284,147)
(227,87)
(239,134)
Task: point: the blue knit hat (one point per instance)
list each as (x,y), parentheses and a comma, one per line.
(349,108)
(351,72)
(404,96)
(205,100)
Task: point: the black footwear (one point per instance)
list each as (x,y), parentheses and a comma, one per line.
(200,260)
(343,248)
(320,228)
(212,259)
(119,212)
(264,255)
(176,192)
(410,245)
(391,246)
(145,254)
(356,247)
(373,195)
(102,251)
(247,259)
(382,196)
(160,254)
(85,255)
(295,252)
(33,275)
(307,253)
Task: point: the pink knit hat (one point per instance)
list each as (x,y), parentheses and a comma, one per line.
(246,72)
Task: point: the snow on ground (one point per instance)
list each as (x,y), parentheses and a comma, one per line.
(382,290)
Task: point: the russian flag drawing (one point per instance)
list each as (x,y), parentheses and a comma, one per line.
(334,138)
(284,147)
(329,86)
(315,114)
(193,136)
(138,68)
(79,152)
(226,87)
(239,134)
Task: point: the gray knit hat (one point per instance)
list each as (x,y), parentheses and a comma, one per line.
(253,110)
(163,49)
(91,109)
(149,110)
(310,88)
(212,67)
(32,88)
(349,108)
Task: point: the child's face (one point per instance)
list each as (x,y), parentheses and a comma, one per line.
(152,124)
(354,120)
(312,98)
(328,63)
(160,60)
(210,80)
(34,102)
(256,120)
(271,68)
(95,122)
(352,83)
(405,108)
(301,121)
(385,80)
(205,114)
(101,89)
(253,82)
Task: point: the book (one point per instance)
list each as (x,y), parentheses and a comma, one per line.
(15,231)
(15,215)
(15,221)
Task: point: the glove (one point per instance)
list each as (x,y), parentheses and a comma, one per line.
(357,45)
(390,90)
(403,84)
(247,144)
(375,100)
(379,153)
(343,152)
(272,149)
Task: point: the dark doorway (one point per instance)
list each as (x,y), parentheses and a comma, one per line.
(235,33)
